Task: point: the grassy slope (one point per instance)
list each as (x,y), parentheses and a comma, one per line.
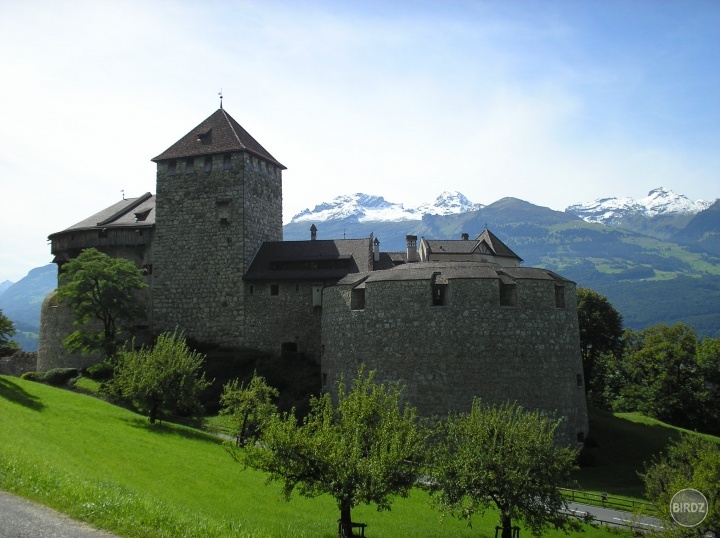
(104,464)
(625,442)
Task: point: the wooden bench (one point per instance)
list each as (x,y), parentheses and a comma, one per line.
(353,525)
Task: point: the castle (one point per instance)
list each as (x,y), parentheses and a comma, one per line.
(450,319)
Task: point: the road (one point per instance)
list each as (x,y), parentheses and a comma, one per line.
(20,518)
(616,518)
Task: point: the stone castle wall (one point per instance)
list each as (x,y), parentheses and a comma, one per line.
(288,317)
(209,225)
(472,346)
(18,363)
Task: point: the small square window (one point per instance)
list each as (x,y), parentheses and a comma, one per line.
(559,296)
(172,165)
(190,166)
(207,166)
(274,289)
(227,161)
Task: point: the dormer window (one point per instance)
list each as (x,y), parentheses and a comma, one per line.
(142,215)
(205,138)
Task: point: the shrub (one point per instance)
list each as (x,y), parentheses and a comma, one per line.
(30,376)
(58,376)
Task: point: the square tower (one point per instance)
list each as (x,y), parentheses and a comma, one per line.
(219,197)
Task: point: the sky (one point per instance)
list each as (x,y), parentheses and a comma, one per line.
(553,102)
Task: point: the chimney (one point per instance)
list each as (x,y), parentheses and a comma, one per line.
(376,250)
(465,237)
(313,232)
(411,248)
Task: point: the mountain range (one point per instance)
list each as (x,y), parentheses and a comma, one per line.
(657,259)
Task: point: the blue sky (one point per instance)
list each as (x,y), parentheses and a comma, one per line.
(552,102)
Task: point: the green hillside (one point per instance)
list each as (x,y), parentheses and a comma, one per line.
(105,465)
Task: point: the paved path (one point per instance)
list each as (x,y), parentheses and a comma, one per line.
(616,518)
(20,518)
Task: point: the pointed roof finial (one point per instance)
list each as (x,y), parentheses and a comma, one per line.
(220,94)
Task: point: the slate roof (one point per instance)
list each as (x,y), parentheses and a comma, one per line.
(448,270)
(219,133)
(318,259)
(464,246)
(130,212)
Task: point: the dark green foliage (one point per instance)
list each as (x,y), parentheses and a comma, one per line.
(601,332)
(99,288)
(7,331)
(366,448)
(101,371)
(690,463)
(158,380)
(503,456)
(665,373)
(58,377)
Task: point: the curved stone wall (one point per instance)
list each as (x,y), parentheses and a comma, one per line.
(469,346)
(56,322)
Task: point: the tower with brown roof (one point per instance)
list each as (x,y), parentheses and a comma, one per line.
(219,197)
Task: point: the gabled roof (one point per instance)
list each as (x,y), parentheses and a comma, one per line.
(463,246)
(496,246)
(131,212)
(219,133)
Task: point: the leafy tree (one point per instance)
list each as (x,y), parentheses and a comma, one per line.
(7,331)
(248,406)
(663,379)
(708,360)
(601,339)
(506,456)
(161,379)
(99,287)
(364,449)
(690,462)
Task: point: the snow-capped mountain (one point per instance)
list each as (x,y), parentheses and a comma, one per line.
(659,201)
(368,208)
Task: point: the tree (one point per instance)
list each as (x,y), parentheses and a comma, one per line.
(248,407)
(601,333)
(663,379)
(708,359)
(691,462)
(7,331)
(364,449)
(506,456)
(99,287)
(161,379)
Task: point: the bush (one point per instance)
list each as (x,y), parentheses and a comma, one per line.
(30,376)
(101,371)
(58,376)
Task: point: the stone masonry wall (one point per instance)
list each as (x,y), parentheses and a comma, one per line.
(209,226)
(447,355)
(18,363)
(289,316)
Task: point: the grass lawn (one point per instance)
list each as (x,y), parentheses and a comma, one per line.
(105,465)
(624,443)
